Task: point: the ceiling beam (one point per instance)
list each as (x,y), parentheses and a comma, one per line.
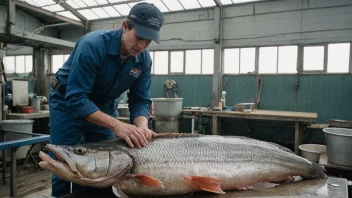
(48,13)
(72,10)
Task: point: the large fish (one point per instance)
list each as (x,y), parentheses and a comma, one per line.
(174,164)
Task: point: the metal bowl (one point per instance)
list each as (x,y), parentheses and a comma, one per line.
(311,151)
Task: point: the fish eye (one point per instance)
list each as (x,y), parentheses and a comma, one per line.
(80,151)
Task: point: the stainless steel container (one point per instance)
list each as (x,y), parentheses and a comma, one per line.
(311,151)
(339,145)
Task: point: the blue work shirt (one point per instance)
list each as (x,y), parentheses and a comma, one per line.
(95,76)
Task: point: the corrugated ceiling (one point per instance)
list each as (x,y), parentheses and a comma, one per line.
(100,9)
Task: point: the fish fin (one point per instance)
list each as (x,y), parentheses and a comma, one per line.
(117,192)
(263,185)
(147,180)
(206,184)
(176,135)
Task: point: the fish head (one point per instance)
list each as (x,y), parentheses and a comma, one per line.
(89,166)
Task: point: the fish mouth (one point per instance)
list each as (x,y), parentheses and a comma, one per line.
(62,157)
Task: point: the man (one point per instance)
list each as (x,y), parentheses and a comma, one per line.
(103,65)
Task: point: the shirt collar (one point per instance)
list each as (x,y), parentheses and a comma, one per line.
(115,44)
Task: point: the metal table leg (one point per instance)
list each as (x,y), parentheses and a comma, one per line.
(3,167)
(13,190)
(297,137)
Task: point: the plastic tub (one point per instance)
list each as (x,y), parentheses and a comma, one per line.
(21,126)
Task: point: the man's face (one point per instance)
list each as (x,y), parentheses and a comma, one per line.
(134,44)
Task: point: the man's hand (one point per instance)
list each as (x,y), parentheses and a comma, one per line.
(131,134)
(147,132)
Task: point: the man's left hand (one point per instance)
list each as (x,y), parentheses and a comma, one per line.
(149,134)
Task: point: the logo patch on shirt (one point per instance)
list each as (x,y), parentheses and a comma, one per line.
(135,72)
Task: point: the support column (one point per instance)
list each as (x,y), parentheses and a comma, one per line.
(39,72)
(11,18)
(217,77)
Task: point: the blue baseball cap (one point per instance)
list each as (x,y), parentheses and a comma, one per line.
(147,19)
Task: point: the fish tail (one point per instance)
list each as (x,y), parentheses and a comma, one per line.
(319,170)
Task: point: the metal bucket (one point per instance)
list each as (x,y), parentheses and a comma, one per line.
(339,145)
(35,103)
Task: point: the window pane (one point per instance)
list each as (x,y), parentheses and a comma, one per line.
(56,62)
(10,64)
(101,2)
(90,2)
(208,61)
(287,59)
(338,57)
(72,4)
(189,4)
(177,62)
(68,14)
(231,61)
(29,63)
(89,14)
(207,3)
(225,2)
(193,61)
(267,59)
(173,5)
(313,58)
(111,11)
(151,56)
(159,5)
(247,60)
(80,3)
(123,9)
(161,62)
(20,64)
(100,12)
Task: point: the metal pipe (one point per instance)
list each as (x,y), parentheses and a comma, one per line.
(192,123)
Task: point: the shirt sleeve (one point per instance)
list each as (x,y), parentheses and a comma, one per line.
(81,79)
(139,96)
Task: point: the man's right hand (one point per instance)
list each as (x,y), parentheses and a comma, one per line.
(131,134)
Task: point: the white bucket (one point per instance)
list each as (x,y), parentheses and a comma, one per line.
(21,126)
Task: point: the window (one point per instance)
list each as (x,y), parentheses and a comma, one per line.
(193,61)
(287,59)
(267,60)
(282,59)
(152,57)
(18,64)
(57,61)
(247,60)
(231,61)
(338,58)
(177,58)
(10,64)
(207,61)
(313,58)
(161,62)
(239,60)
